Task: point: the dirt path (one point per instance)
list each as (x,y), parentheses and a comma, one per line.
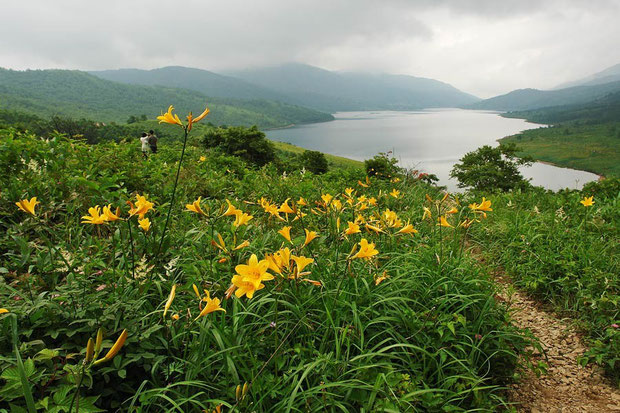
(567,387)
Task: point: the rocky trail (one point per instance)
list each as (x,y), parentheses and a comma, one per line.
(567,387)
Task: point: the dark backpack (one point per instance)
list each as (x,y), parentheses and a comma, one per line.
(152,140)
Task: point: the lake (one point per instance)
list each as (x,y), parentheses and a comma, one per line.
(429,140)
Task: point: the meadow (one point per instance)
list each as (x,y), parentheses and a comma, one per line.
(193,281)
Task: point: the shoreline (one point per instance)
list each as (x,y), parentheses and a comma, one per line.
(600,176)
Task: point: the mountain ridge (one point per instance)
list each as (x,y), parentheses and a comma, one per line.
(79,94)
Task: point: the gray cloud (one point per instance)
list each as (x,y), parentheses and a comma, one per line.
(484,47)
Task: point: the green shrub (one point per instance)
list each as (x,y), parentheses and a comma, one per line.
(247,143)
(383,166)
(314,162)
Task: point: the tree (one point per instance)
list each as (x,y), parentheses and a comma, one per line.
(247,143)
(314,161)
(383,165)
(489,168)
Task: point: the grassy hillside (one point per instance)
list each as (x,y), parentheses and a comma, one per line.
(527,99)
(414,326)
(594,148)
(333,160)
(79,94)
(585,136)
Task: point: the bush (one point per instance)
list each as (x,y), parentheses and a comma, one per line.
(314,161)
(247,143)
(382,165)
(488,169)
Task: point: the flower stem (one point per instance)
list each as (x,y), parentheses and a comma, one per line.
(174,190)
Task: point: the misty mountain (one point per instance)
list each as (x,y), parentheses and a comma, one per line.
(340,91)
(529,99)
(605,109)
(611,74)
(79,94)
(203,81)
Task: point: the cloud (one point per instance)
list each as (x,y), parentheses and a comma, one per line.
(484,47)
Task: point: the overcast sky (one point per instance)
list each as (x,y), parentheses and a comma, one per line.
(485,47)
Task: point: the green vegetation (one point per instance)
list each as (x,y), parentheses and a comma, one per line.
(291,151)
(529,99)
(272,291)
(414,326)
(491,169)
(583,136)
(565,254)
(250,144)
(77,94)
(314,161)
(606,109)
(593,148)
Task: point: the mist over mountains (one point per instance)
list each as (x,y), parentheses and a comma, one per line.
(305,85)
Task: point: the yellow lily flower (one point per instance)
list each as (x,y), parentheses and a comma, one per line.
(109,215)
(408,229)
(301,263)
(286,208)
(213,304)
(232,210)
(244,244)
(586,202)
(310,235)
(443,222)
(241,218)
(286,233)
(145,224)
(195,207)
(28,206)
(352,229)
(168,117)
(95,216)
(427,214)
(373,228)
(395,193)
(3,311)
(367,250)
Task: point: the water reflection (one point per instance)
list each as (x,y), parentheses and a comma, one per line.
(429,140)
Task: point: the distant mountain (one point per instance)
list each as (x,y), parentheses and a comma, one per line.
(335,91)
(605,109)
(79,94)
(611,74)
(203,81)
(529,99)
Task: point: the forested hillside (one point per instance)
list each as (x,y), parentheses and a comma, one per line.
(79,94)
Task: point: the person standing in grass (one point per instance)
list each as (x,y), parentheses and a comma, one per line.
(152,138)
(144,139)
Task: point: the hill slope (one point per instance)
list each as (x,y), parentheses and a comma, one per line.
(79,94)
(204,81)
(527,99)
(605,109)
(611,74)
(325,90)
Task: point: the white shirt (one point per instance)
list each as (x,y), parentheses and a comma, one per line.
(145,143)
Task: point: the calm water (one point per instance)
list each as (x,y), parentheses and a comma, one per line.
(430,140)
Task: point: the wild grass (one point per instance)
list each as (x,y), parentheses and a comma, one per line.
(581,146)
(413,328)
(565,254)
